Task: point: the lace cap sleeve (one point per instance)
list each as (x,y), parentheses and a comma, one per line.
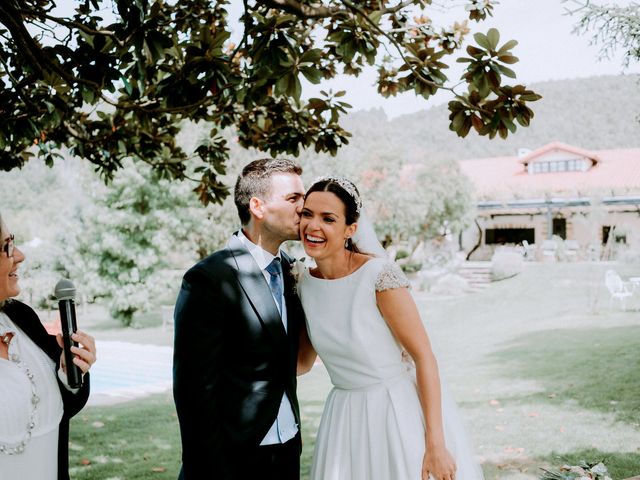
(391,276)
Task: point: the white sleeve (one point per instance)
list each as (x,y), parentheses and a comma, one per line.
(391,276)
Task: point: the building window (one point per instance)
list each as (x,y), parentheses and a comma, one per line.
(560,228)
(618,237)
(502,236)
(562,165)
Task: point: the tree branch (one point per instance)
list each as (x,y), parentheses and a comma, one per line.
(362,14)
(397,8)
(424,80)
(36,58)
(244,32)
(301,9)
(20,35)
(17,85)
(41,63)
(71,25)
(612,27)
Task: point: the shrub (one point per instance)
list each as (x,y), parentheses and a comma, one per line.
(400,254)
(411,267)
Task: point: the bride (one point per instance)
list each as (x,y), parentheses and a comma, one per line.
(386,417)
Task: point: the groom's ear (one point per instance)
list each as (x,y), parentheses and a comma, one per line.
(256,207)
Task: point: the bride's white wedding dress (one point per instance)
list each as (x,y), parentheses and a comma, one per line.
(372,427)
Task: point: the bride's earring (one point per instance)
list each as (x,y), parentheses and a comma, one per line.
(346,242)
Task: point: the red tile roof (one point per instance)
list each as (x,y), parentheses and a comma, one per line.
(555,146)
(617,172)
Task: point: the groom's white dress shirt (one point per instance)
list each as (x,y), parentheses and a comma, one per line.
(285,427)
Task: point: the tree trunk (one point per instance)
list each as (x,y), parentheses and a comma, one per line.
(477,246)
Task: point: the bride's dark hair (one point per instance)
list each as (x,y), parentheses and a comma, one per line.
(350,202)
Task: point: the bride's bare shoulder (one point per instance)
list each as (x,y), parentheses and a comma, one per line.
(315,272)
(360,259)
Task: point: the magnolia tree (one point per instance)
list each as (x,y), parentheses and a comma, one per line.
(114,79)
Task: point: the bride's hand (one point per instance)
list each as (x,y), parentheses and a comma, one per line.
(438,463)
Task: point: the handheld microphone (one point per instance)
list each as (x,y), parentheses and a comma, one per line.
(65,292)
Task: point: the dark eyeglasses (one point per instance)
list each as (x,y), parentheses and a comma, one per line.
(8,246)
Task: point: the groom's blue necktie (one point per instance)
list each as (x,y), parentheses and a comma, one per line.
(275,281)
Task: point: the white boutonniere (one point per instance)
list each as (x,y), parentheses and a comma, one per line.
(297,269)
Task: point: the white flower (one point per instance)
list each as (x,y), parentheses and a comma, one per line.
(297,269)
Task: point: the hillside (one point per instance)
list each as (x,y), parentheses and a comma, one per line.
(593,113)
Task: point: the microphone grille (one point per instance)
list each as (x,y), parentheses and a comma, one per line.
(65,290)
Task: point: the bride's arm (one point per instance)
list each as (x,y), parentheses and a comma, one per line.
(401,314)
(306,353)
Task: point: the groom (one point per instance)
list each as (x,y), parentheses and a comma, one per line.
(237,322)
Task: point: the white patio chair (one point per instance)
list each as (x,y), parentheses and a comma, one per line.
(549,250)
(571,249)
(617,288)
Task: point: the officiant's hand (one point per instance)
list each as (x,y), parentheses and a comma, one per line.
(438,463)
(84,355)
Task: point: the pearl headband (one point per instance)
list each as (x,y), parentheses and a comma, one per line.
(346,185)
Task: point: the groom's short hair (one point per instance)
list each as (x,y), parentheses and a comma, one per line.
(255,181)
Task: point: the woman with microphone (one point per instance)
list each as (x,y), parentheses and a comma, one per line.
(37,401)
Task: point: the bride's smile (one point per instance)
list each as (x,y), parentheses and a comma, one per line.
(312,239)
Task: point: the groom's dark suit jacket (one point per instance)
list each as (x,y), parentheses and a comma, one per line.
(232,359)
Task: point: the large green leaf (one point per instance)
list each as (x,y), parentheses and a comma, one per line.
(493,37)
(482,40)
(506,47)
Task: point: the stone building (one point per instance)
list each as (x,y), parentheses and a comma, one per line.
(559,198)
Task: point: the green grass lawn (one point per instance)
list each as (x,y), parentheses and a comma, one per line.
(543,371)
